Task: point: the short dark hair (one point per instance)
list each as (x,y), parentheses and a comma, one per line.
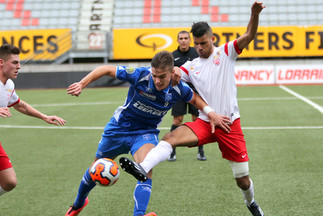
(7,49)
(183,32)
(163,60)
(201,28)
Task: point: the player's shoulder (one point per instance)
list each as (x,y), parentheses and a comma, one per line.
(182,86)
(10,84)
(134,70)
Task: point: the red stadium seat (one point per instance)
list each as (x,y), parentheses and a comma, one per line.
(10,6)
(146,19)
(19,6)
(195,2)
(17,14)
(214,18)
(147,3)
(156,19)
(25,22)
(27,14)
(34,21)
(224,18)
(204,10)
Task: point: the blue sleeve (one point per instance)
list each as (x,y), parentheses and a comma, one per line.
(186,92)
(131,74)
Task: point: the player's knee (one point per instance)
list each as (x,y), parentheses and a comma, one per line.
(170,138)
(9,184)
(243,182)
(241,174)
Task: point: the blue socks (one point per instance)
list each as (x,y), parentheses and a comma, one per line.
(141,194)
(141,197)
(87,184)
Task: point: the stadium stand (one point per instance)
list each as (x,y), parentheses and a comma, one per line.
(39,14)
(169,13)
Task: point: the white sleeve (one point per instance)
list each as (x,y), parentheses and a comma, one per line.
(13,99)
(185,70)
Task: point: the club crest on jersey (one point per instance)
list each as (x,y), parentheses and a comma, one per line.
(130,70)
(168,97)
(216,59)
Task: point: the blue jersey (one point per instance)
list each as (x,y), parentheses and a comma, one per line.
(145,107)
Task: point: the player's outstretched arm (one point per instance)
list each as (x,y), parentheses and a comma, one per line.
(252,27)
(27,109)
(4,112)
(176,76)
(215,119)
(76,88)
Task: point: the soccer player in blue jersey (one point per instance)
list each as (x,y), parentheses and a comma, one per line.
(133,127)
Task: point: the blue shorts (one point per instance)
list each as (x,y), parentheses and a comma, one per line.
(116,140)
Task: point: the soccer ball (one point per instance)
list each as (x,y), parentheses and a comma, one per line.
(104,172)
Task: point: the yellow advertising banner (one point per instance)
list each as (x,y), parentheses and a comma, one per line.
(42,44)
(273,41)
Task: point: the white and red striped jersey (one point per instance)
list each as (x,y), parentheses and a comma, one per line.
(8,96)
(214,79)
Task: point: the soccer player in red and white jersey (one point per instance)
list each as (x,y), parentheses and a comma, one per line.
(212,74)
(9,67)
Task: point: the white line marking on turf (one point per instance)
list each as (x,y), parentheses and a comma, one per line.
(76,104)
(160,128)
(306,100)
(51,127)
(274,98)
(122,102)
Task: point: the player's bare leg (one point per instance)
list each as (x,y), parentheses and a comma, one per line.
(8,180)
(161,152)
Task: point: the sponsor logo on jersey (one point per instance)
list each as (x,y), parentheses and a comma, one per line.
(148,96)
(148,109)
(177,58)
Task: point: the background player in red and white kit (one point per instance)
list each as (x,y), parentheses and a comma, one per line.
(9,67)
(212,74)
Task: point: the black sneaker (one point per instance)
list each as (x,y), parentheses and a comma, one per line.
(133,168)
(172,156)
(201,157)
(255,209)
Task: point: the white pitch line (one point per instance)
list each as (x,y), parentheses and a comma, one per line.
(160,128)
(51,127)
(75,104)
(122,102)
(306,100)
